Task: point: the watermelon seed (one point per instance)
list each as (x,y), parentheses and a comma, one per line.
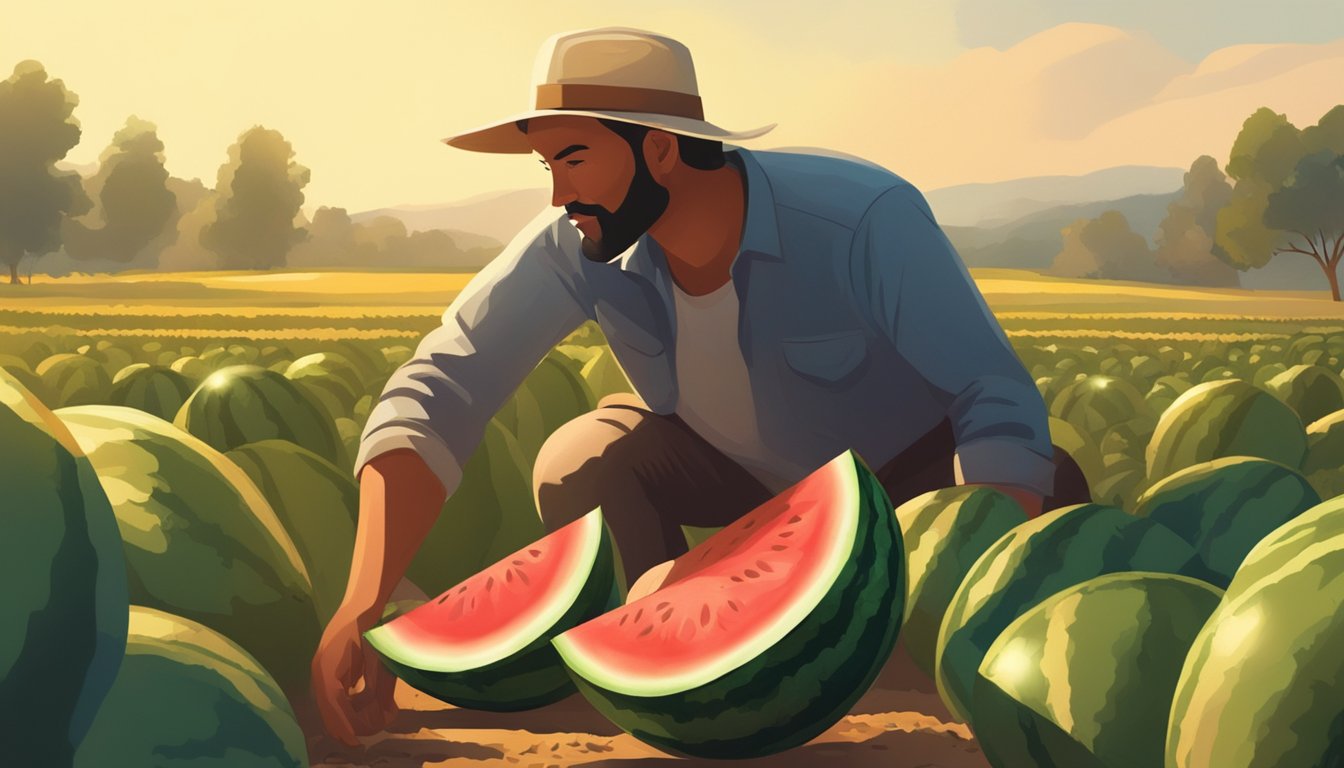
(446,595)
(737,578)
(517,562)
(704,615)
(462,589)
(666,616)
(523,576)
(623,618)
(489,582)
(795,519)
(732,604)
(785,534)
(508,575)
(764,566)
(661,605)
(779,547)
(638,613)
(646,631)
(534,552)
(748,524)
(751,574)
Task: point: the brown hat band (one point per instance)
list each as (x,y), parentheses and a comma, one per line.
(619,98)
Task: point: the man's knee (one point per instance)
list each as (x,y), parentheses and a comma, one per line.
(583,456)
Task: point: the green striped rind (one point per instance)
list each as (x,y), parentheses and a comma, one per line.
(331,378)
(158,390)
(1224,507)
(1036,559)
(944,532)
(317,503)
(532,677)
(245,403)
(1264,681)
(1164,392)
(200,540)
(187,695)
(803,684)
(1312,391)
(1092,667)
(1324,464)
(1098,403)
(1224,418)
(491,514)
(63,607)
(72,379)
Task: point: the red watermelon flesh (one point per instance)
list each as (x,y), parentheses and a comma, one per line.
(731,597)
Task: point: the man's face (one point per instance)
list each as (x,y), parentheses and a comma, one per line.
(604,185)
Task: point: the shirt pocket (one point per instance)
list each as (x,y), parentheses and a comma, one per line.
(832,360)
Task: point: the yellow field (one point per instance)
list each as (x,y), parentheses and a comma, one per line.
(322,305)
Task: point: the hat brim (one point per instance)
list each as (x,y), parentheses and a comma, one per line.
(504,137)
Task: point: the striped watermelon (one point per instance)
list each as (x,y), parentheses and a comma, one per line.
(200,541)
(1097,404)
(1038,558)
(63,606)
(485,643)
(74,379)
(944,532)
(1085,679)
(765,634)
(491,514)
(317,503)
(1224,418)
(157,390)
(1312,391)
(1263,684)
(187,695)
(331,378)
(1324,463)
(245,403)
(1224,507)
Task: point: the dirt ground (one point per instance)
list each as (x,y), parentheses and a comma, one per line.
(899,723)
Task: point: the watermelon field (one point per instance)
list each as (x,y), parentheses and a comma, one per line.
(182,444)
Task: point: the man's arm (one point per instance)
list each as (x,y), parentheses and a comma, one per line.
(918,291)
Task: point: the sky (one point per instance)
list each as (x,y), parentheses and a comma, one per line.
(940,92)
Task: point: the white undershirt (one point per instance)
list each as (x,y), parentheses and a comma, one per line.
(714,393)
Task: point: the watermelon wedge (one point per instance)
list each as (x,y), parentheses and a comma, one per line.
(762,636)
(485,642)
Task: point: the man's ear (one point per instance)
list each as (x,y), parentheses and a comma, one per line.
(661,153)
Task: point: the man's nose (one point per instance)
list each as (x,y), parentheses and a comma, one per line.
(562,193)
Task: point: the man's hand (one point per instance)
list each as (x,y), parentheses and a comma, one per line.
(1031,502)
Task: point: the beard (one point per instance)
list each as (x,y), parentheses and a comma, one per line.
(644,203)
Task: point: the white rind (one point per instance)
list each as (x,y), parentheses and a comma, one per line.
(590,667)
(445,659)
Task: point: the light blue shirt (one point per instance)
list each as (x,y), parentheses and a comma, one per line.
(859,325)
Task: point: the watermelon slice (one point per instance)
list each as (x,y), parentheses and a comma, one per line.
(485,642)
(765,634)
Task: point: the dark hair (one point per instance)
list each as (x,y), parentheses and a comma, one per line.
(701,154)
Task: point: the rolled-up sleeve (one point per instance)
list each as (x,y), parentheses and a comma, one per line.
(509,315)
(919,293)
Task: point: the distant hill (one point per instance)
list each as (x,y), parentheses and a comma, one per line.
(496,215)
(1005,202)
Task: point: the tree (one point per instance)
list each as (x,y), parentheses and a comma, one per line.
(1185,245)
(333,241)
(37,129)
(1105,247)
(1279,172)
(258,196)
(135,203)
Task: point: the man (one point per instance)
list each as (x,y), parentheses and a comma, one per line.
(771,310)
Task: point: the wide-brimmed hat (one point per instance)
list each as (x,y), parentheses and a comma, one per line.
(619,73)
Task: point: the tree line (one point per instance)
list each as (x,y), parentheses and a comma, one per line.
(1281,194)
(132,213)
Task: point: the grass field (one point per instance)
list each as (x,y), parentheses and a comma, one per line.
(399,305)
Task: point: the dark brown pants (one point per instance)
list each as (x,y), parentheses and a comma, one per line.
(652,474)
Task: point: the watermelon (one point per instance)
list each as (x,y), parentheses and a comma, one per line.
(1263,684)
(1224,507)
(330,378)
(1099,403)
(472,648)
(153,389)
(724,659)
(1083,450)
(63,607)
(187,695)
(1324,462)
(192,367)
(318,504)
(944,532)
(74,379)
(1033,561)
(1312,391)
(245,403)
(1086,678)
(200,540)
(1224,418)
(1163,393)
(491,514)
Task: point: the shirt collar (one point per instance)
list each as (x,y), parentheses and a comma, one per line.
(760,231)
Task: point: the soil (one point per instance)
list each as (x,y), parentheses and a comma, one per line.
(899,722)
